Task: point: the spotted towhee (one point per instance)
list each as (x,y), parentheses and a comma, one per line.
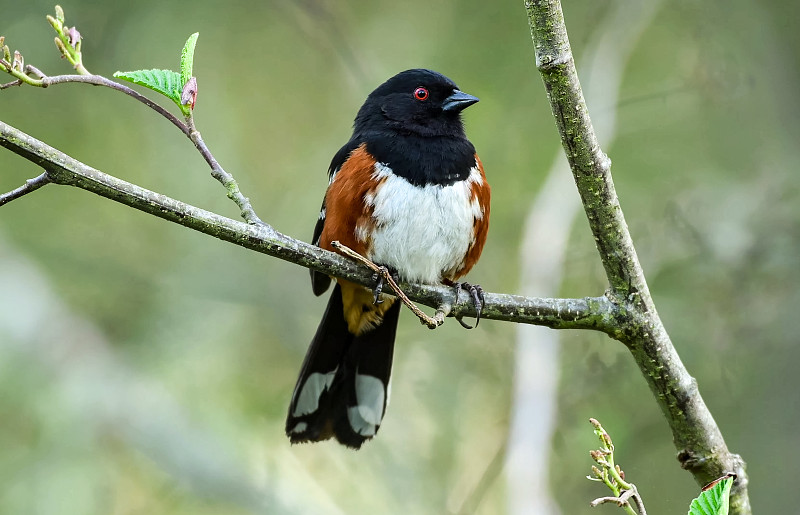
(408,192)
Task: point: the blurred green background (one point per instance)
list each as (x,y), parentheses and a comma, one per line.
(145,368)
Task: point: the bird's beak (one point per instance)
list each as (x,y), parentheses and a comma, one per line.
(458,101)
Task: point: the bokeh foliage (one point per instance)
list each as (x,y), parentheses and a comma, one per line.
(705,163)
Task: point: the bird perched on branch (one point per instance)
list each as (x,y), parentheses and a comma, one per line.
(407,192)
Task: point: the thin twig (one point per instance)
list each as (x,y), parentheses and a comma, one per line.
(623,501)
(69,44)
(226,179)
(11,84)
(603,500)
(432,323)
(187,128)
(31,69)
(30,185)
(637,499)
(99,80)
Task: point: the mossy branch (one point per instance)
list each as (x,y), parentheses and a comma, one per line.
(589,313)
(701,447)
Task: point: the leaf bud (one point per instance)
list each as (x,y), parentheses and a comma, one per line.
(189,93)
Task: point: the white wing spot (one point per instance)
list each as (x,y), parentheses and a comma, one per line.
(366,416)
(315,385)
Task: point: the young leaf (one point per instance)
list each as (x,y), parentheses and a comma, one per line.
(166,82)
(187,58)
(713,501)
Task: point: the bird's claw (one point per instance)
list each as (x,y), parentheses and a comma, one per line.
(378,277)
(464,324)
(376,292)
(477,298)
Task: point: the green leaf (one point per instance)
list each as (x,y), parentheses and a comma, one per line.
(166,82)
(187,58)
(713,501)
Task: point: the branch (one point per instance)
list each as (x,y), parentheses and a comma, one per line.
(383,272)
(188,129)
(596,313)
(68,42)
(99,80)
(30,186)
(702,449)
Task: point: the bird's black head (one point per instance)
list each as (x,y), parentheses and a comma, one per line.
(419,102)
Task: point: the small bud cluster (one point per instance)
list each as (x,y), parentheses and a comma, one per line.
(607,472)
(68,40)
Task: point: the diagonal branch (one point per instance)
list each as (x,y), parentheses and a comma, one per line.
(35,77)
(596,313)
(383,272)
(188,129)
(99,80)
(701,447)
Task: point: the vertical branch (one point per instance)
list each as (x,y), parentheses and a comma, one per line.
(591,167)
(549,220)
(701,447)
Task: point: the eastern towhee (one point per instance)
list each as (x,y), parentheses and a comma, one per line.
(408,192)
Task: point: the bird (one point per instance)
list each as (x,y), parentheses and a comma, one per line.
(408,192)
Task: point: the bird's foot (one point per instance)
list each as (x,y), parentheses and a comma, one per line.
(477,298)
(379,278)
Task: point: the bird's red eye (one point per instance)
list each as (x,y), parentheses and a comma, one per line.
(421,93)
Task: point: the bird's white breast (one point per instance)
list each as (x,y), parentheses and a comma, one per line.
(422,231)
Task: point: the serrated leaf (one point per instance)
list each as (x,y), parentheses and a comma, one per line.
(714,501)
(187,58)
(166,82)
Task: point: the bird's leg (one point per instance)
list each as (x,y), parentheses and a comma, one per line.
(379,278)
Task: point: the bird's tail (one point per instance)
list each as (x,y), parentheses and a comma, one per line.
(343,386)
